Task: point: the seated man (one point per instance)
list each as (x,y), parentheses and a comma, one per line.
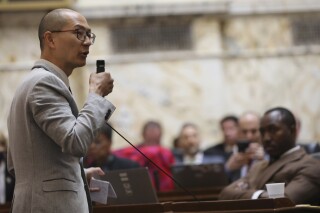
(190,148)
(230,129)
(100,155)
(241,161)
(288,163)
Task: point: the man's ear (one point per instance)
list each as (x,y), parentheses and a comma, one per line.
(293,130)
(48,39)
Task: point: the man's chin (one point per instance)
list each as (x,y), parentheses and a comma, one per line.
(80,64)
(83,63)
(192,151)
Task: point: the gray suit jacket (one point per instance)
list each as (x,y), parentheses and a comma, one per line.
(299,171)
(47,138)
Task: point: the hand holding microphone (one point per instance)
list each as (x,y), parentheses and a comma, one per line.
(101,82)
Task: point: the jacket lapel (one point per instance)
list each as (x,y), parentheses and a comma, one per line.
(68,95)
(266,174)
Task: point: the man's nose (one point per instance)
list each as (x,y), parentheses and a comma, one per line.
(249,136)
(87,41)
(266,137)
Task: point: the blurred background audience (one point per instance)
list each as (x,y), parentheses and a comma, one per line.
(152,148)
(100,153)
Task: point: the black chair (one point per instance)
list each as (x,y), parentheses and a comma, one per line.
(316,155)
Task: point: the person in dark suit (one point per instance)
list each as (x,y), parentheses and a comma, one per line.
(288,164)
(6,180)
(190,151)
(244,157)
(100,154)
(230,129)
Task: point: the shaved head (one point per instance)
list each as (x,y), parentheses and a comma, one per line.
(53,21)
(249,124)
(249,116)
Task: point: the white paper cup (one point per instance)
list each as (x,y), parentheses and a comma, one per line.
(275,190)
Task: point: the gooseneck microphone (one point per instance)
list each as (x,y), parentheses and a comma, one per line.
(101,68)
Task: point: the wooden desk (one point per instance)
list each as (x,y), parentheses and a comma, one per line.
(281,205)
(232,205)
(5,208)
(298,209)
(179,195)
(133,208)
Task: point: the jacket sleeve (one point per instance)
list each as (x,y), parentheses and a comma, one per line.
(240,189)
(55,112)
(245,187)
(304,188)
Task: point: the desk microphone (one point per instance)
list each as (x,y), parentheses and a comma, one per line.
(101,68)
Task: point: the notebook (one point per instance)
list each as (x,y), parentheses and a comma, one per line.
(200,176)
(132,186)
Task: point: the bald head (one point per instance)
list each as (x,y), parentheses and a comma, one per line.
(249,124)
(189,139)
(53,21)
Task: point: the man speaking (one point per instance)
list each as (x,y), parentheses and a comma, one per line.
(47,133)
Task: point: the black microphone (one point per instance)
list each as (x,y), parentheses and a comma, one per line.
(100,66)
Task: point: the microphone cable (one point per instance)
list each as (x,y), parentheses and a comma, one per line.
(162,170)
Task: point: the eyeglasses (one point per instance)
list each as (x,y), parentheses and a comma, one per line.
(81,34)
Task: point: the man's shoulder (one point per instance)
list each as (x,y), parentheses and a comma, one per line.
(310,161)
(215,148)
(40,76)
(307,166)
(300,161)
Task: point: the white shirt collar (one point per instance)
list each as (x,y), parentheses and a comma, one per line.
(294,149)
(197,159)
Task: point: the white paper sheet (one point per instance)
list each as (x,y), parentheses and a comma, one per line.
(106,190)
